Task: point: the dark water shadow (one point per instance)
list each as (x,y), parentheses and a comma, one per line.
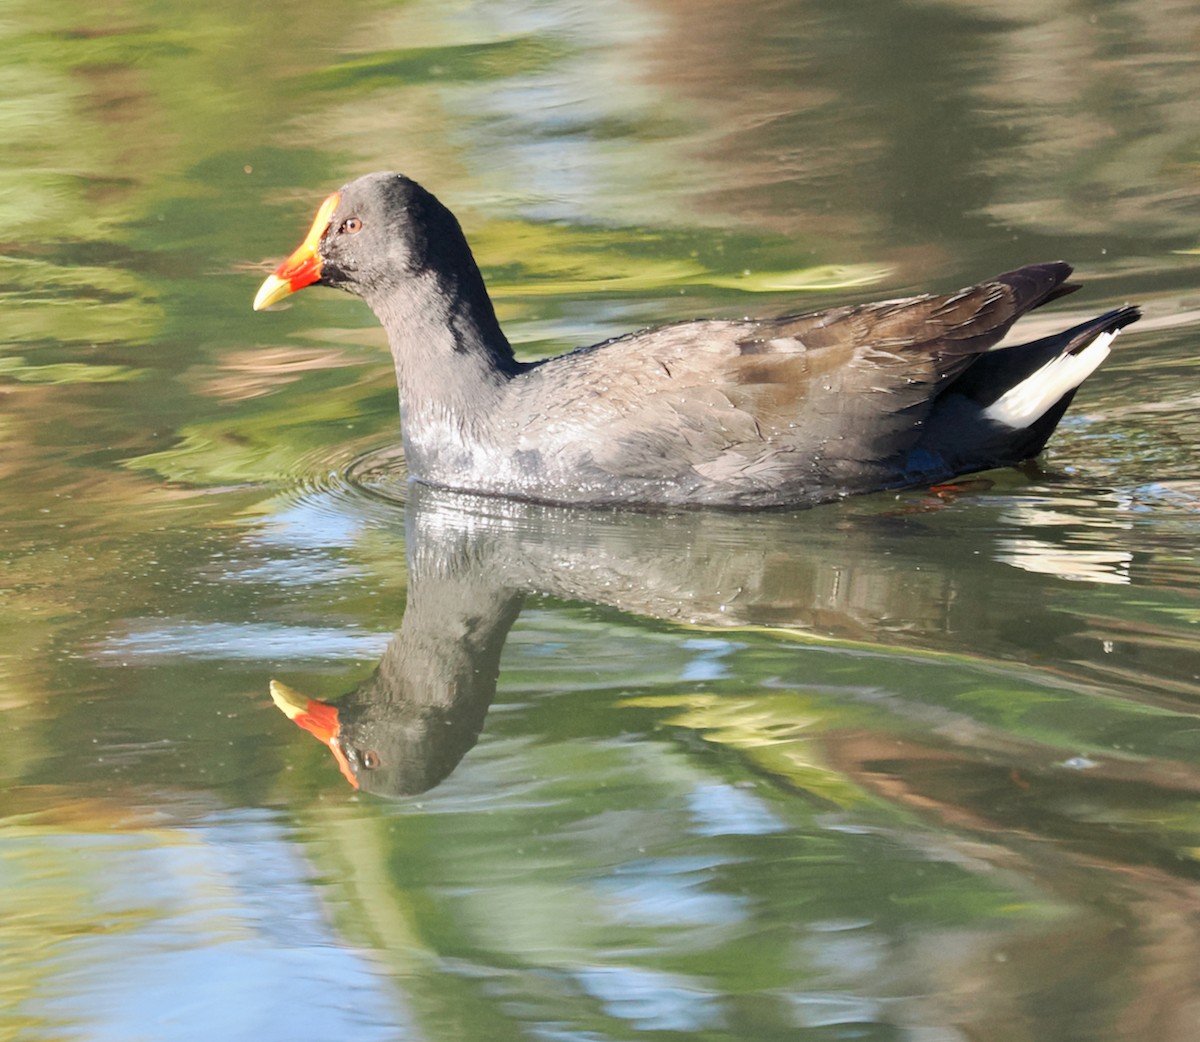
(883,574)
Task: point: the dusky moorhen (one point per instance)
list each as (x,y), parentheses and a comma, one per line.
(744,414)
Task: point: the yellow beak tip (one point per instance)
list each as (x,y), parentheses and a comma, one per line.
(291,701)
(272,290)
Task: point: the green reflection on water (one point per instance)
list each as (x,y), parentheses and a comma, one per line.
(912,766)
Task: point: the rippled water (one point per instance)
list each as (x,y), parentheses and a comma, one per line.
(915,766)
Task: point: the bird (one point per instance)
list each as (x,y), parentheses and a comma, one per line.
(746,414)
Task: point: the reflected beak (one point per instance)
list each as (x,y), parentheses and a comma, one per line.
(320,719)
(303,267)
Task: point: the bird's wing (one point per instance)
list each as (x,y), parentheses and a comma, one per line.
(824,392)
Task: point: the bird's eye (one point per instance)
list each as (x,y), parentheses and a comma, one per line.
(370,759)
(351,225)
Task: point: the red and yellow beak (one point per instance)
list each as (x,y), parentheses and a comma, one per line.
(303,267)
(320,719)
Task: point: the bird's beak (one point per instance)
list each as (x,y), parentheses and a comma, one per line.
(303,267)
(319,719)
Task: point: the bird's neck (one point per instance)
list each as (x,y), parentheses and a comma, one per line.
(452,360)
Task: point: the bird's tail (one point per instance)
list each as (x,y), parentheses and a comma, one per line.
(1004,408)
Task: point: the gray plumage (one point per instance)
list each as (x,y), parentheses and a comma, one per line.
(757,413)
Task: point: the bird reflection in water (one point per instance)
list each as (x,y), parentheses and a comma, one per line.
(878,572)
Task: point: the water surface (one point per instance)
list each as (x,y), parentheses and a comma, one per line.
(911,766)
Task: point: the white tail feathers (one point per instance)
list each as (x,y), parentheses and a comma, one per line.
(1025,403)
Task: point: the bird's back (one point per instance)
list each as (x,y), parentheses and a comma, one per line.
(797,409)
